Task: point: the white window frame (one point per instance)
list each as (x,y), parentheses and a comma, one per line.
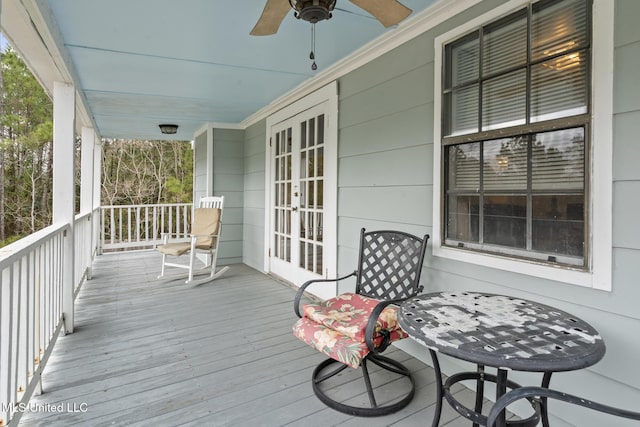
(601,155)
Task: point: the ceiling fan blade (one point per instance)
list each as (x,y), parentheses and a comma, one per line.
(272,15)
(388,12)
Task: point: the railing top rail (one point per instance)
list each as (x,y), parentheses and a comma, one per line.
(80,217)
(145,205)
(18,249)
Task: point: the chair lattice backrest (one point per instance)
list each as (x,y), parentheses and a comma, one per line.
(390,265)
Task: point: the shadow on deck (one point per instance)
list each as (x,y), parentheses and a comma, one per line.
(153,352)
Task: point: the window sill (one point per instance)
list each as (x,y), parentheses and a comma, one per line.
(531,268)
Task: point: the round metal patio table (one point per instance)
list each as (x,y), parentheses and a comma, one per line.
(502,332)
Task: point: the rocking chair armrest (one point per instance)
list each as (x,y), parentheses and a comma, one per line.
(305,285)
(166,236)
(202,235)
(533,394)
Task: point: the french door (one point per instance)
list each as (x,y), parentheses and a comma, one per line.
(298,247)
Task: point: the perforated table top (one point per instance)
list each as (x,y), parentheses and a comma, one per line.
(501,331)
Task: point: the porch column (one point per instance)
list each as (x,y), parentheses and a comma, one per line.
(64,103)
(86,169)
(87,176)
(97,194)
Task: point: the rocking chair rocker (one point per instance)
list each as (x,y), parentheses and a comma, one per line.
(354,328)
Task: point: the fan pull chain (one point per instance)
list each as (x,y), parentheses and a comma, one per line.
(312,55)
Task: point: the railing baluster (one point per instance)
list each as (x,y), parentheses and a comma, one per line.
(185,216)
(5,337)
(102,224)
(21,368)
(162,220)
(171,230)
(113,220)
(12,335)
(155,223)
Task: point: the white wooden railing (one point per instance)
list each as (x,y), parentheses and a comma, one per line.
(86,244)
(32,282)
(129,227)
(31,305)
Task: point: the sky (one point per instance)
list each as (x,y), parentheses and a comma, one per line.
(3,42)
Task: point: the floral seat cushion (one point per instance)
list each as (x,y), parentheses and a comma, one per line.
(336,327)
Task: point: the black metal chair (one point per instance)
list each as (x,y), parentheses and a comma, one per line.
(354,328)
(539,395)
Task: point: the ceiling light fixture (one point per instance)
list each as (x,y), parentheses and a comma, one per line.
(313,11)
(168,129)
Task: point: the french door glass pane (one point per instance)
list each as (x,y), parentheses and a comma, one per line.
(320,129)
(463,221)
(303,164)
(558,160)
(320,191)
(320,161)
(319,260)
(311,163)
(505,221)
(558,224)
(318,230)
(505,164)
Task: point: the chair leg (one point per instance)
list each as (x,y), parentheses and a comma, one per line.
(374,409)
(367,382)
(192,256)
(164,258)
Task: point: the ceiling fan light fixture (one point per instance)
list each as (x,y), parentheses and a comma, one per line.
(168,129)
(313,10)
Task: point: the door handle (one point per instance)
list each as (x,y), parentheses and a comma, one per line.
(294,209)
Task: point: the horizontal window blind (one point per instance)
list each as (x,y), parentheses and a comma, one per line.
(558,160)
(504,44)
(504,100)
(558,27)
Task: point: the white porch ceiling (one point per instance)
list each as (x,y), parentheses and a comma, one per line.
(191,62)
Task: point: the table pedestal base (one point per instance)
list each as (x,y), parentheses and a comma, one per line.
(475,415)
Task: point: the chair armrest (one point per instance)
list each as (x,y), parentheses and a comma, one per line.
(534,394)
(370,331)
(203,235)
(166,236)
(305,285)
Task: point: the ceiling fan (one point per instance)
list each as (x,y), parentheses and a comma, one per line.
(388,12)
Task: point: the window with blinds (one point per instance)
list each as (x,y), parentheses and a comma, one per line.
(515,128)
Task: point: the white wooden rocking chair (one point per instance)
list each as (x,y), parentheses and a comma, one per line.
(206,227)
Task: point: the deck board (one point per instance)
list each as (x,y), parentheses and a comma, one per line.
(151,352)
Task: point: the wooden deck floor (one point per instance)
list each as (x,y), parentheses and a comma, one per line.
(150,352)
